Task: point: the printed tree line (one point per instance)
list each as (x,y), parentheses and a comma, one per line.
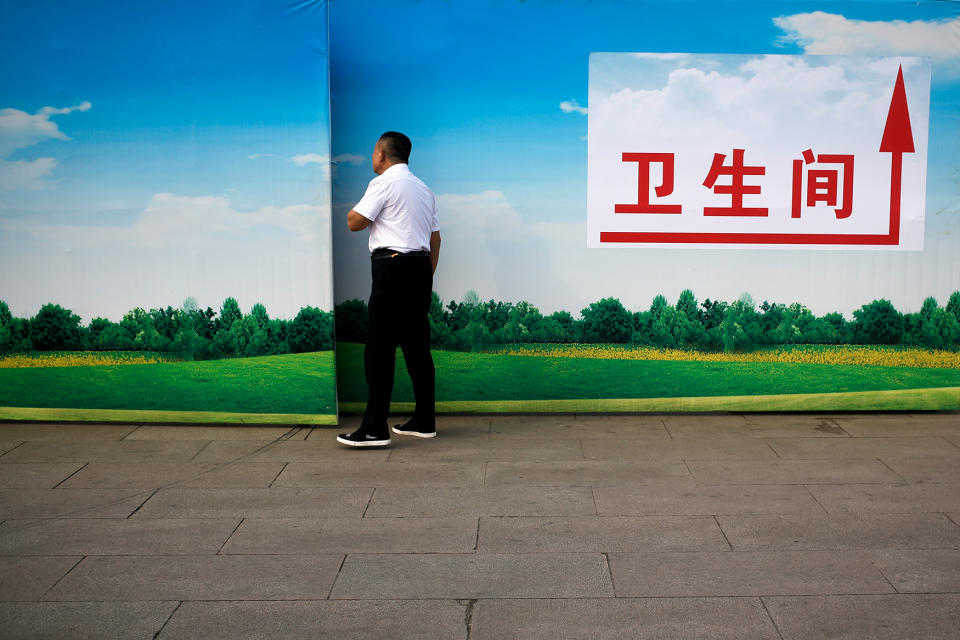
(710,326)
(189,332)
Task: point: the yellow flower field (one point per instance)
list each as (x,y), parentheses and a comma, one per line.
(835,355)
(80,359)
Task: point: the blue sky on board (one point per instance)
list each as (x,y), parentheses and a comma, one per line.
(118,117)
(494,96)
(205,142)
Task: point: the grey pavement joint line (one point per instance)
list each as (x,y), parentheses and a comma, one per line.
(468,617)
(369,500)
(593,496)
(476,540)
(724,533)
(153,493)
(819,504)
(767,442)
(947,516)
(890,582)
(613,584)
(278,474)
(230,536)
(20,444)
(333,582)
(770,616)
(902,479)
(165,622)
(199,451)
(71,475)
(75,564)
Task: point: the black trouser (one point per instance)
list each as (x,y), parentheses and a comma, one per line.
(398,315)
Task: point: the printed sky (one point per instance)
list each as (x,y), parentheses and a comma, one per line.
(154,151)
(494,96)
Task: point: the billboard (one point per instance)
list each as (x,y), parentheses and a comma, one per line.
(656,206)
(165,213)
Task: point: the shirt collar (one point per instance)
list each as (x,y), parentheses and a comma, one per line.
(400,167)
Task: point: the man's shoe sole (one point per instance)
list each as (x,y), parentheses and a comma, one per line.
(371,443)
(419,434)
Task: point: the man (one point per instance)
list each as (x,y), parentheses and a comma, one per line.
(401,213)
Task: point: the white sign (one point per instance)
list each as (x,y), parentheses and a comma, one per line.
(757,151)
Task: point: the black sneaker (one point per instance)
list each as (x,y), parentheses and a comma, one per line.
(360,439)
(412,430)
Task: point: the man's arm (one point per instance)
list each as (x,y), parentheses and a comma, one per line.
(356,222)
(434,249)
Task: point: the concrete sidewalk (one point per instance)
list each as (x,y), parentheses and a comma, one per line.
(727,526)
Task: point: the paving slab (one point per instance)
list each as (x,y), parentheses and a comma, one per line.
(744,574)
(483,575)
(185,432)
(482,448)
(199,577)
(153,475)
(73,536)
(792,472)
(678,449)
(276,502)
(344,620)
(27,579)
(34,431)
(39,475)
(489,500)
(554,427)
(585,473)
(353,535)
(895,617)
(220,451)
(869,448)
(68,450)
(936,571)
(846,531)
(83,620)
(696,426)
(924,470)
(614,619)
(885,498)
(364,473)
(599,533)
(900,424)
(69,503)
(704,500)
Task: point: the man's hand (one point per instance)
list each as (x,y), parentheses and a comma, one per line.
(356,222)
(434,249)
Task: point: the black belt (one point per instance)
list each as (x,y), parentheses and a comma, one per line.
(380,254)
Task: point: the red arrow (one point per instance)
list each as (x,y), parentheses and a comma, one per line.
(897,140)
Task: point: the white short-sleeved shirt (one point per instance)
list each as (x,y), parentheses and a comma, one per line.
(402,211)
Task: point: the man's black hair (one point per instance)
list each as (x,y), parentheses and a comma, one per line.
(396,145)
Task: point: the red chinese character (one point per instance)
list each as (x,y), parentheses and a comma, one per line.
(643,184)
(736,188)
(822,184)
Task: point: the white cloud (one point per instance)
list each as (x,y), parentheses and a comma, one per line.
(19,129)
(571,106)
(170,221)
(661,56)
(310,158)
(349,158)
(254,156)
(828,33)
(25,174)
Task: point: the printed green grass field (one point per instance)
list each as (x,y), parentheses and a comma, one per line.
(302,383)
(521,382)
